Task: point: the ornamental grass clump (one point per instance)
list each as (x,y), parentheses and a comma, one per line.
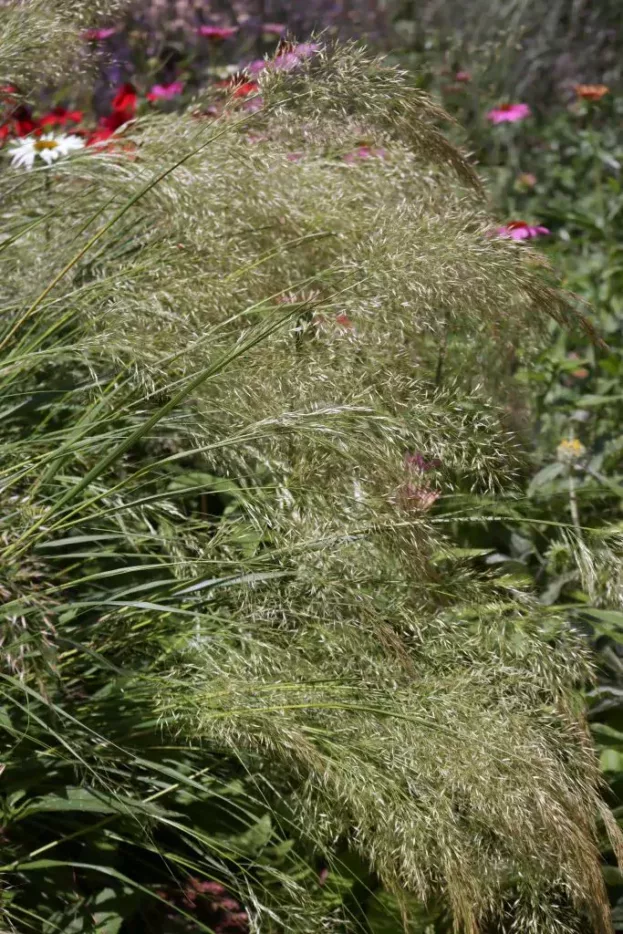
(239,642)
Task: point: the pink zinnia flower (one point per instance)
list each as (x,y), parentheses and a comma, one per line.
(520,230)
(509,113)
(217,32)
(165,92)
(98,35)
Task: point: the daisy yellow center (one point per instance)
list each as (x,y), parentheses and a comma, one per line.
(42,144)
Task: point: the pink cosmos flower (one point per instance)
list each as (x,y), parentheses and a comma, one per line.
(509,113)
(217,32)
(165,92)
(98,35)
(520,230)
(463,76)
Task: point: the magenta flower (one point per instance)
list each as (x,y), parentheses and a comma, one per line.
(463,76)
(98,35)
(520,230)
(217,32)
(509,113)
(165,92)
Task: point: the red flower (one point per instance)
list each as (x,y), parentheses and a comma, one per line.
(24,121)
(344,321)
(125,99)
(96,137)
(246,88)
(20,122)
(114,120)
(59,116)
(239,85)
(123,109)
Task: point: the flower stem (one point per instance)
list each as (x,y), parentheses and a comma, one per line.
(573,502)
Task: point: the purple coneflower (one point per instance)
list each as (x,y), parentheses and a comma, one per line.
(509,113)
(521,230)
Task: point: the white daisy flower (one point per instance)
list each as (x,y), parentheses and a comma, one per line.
(47,147)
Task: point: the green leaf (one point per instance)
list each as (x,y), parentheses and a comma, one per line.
(73,799)
(546,475)
(253,839)
(611,761)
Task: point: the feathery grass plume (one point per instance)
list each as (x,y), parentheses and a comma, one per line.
(41,39)
(234,385)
